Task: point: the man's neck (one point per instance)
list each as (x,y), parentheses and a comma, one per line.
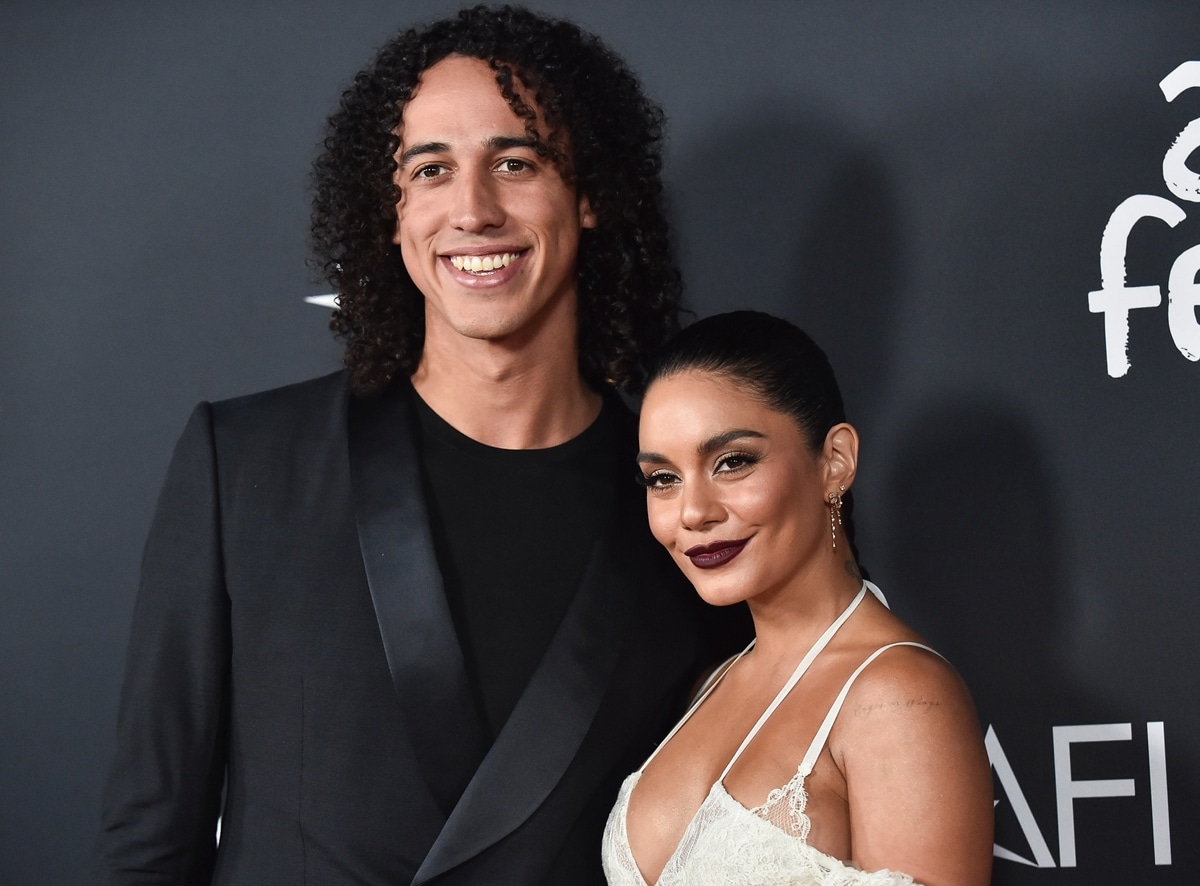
(507,399)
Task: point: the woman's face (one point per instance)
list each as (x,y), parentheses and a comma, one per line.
(734,492)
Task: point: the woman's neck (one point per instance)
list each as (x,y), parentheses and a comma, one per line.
(788,621)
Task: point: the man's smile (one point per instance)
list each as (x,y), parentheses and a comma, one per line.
(475,264)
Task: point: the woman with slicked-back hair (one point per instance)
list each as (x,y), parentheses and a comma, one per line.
(837,748)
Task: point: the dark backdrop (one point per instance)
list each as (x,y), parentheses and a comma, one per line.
(924,186)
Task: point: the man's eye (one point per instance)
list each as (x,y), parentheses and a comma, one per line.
(513,165)
(431,170)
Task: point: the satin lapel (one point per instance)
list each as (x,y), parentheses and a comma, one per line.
(549,723)
(423,652)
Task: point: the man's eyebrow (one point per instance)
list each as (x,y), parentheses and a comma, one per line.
(709,446)
(506,142)
(425,148)
(495,143)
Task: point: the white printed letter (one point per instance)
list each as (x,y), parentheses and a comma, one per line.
(1114,299)
(1183,294)
(1016,798)
(1068,790)
(1181,181)
(1159,814)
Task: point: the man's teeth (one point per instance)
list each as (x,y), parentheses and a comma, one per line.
(478,263)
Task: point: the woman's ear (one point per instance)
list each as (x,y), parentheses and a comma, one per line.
(840,457)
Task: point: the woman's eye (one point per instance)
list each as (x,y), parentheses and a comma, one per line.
(658,480)
(734,462)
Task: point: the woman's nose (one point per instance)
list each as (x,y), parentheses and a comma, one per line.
(699,507)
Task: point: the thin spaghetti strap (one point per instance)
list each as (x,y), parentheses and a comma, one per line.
(812,653)
(705,691)
(818,742)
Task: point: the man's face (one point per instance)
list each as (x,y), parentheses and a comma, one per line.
(488,230)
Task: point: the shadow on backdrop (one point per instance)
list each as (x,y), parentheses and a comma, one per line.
(779,213)
(976,540)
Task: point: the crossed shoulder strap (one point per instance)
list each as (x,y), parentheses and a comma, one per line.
(799,672)
(818,742)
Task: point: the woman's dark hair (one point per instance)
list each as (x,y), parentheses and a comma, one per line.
(775,362)
(604,135)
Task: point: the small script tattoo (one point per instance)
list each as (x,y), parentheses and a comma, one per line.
(914,704)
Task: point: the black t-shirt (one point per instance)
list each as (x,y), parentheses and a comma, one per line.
(513,531)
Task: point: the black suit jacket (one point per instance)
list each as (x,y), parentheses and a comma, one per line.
(293,667)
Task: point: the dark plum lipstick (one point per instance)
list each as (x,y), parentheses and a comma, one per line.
(718,553)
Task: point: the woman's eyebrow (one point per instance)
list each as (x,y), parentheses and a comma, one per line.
(709,446)
(723,439)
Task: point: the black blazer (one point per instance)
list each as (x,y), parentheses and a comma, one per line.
(293,668)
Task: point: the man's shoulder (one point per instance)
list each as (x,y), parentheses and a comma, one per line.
(314,406)
(324,390)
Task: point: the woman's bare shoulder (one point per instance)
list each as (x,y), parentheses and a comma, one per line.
(902,681)
(909,744)
(906,681)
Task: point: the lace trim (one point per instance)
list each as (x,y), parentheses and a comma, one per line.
(785,807)
(720,847)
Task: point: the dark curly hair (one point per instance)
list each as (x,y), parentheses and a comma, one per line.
(604,135)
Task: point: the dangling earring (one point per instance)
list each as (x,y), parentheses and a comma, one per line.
(835,513)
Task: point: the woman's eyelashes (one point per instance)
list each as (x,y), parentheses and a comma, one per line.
(735,462)
(729,464)
(656,479)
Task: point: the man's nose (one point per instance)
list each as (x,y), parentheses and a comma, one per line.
(476,205)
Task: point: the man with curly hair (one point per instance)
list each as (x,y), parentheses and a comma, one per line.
(405,623)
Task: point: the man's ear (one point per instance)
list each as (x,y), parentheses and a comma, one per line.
(840,457)
(399,198)
(587,218)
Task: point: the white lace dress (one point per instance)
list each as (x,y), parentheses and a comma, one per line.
(726,844)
